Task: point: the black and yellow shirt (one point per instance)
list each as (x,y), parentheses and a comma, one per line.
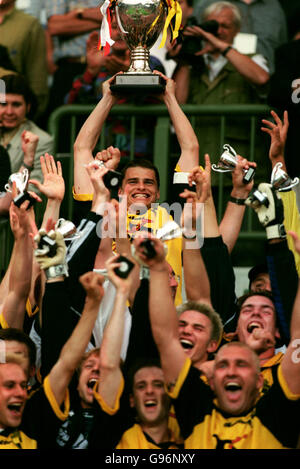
(121,429)
(273,423)
(43,416)
(10,438)
(154,219)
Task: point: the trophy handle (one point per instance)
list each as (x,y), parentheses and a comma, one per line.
(219,169)
(292,184)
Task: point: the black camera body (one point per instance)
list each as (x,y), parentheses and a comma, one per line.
(22,197)
(191,45)
(125,268)
(48,244)
(148,248)
(112,179)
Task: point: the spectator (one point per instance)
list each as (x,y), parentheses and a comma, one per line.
(263,19)
(68,27)
(24,38)
(34,8)
(18,131)
(228,77)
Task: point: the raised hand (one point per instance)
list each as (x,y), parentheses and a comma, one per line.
(92,282)
(29,142)
(240,189)
(53,186)
(202,178)
(278,133)
(110,156)
(121,284)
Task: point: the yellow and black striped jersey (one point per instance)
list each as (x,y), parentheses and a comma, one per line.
(273,423)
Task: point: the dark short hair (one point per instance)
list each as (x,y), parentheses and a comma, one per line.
(266,293)
(141,362)
(16,84)
(257,270)
(13,334)
(141,163)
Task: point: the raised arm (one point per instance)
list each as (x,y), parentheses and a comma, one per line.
(196,279)
(291,361)
(72,352)
(188,142)
(88,137)
(14,305)
(110,351)
(53,187)
(163,314)
(233,217)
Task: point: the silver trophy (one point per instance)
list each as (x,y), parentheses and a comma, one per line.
(280,180)
(140,23)
(67,229)
(21,180)
(228,162)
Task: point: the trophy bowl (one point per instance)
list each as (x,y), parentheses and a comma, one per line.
(140,23)
(228,162)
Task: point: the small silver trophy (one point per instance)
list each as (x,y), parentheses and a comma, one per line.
(67,229)
(21,180)
(280,180)
(228,162)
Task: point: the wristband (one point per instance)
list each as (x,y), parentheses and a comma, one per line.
(57,271)
(237,201)
(225,51)
(30,168)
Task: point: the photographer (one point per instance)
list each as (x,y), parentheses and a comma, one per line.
(227,77)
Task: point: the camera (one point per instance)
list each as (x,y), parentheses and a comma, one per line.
(148,248)
(20,198)
(47,246)
(190,44)
(112,179)
(125,268)
(256,199)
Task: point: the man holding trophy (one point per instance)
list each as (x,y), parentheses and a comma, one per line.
(140,181)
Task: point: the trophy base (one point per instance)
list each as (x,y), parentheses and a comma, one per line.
(138,84)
